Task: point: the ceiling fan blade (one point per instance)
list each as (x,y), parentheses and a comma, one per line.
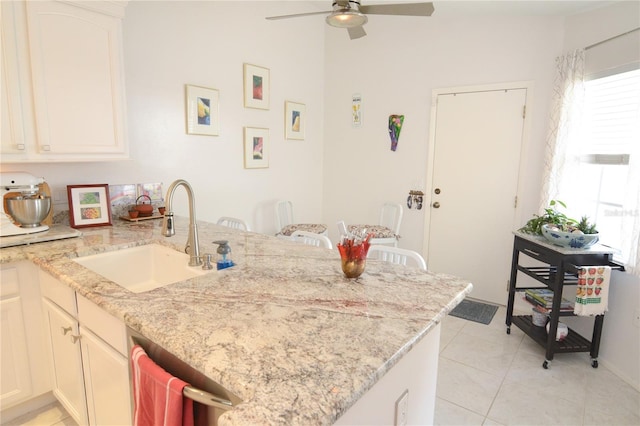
(356,32)
(408,9)
(297,15)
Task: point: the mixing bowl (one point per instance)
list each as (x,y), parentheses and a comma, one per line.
(28,211)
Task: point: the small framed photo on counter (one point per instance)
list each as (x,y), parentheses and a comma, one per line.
(89,205)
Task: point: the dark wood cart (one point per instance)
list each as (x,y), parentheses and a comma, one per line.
(560,269)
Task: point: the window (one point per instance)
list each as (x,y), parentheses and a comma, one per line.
(608,140)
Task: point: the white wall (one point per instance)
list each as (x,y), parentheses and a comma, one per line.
(338,172)
(395,68)
(170,44)
(620,346)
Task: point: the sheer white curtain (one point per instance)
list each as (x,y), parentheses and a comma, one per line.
(566,116)
(631,214)
(561,164)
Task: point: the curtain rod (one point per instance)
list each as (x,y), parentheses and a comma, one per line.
(611,38)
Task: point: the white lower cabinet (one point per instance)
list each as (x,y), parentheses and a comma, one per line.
(89,357)
(24,371)
(68,378)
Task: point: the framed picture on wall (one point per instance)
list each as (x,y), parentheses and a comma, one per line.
(89,205)
(295,117)
(203,116)
(256,148)
(256,87)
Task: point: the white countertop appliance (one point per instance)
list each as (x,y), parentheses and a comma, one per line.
(23,207)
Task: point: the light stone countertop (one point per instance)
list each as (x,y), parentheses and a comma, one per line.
(283,329)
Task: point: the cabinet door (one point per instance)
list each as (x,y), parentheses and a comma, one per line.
(106,375)
(77,74)
(25,373)
(12,139)
(67,361)
(16,376)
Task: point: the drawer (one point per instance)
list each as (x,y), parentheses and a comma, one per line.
(103,324)
(59,293)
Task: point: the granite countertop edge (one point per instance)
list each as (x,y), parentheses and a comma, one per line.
(283,329)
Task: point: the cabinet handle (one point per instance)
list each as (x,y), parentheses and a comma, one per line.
(75,338)
(46,147)
(20,147)
(65,330)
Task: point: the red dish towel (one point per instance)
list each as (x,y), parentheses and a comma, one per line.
(158,399)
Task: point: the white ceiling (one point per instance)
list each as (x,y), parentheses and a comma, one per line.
(482,7)
(515,7)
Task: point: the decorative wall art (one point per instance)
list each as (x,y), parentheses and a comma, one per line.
(203,117)
(256,87)
(395,125)
(256,148)
(89,205)
(356,110)
(295,117)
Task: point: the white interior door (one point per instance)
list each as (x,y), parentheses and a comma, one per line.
(478,139)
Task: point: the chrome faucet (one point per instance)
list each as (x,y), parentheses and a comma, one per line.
(168,227)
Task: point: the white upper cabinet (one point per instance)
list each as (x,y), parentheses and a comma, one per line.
(70,84)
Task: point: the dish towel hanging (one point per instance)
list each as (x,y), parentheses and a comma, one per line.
(592,292)
(158,399)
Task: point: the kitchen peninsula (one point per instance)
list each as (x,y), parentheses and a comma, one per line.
(283,330)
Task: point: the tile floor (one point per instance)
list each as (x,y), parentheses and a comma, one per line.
(51,415)
(487,377)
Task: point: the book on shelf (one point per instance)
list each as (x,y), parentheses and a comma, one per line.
(544,297)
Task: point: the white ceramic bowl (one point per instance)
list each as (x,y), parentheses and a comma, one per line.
(568,239)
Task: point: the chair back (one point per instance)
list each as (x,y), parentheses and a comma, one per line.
(311,239)
(391,216)
(284,214)
(232,222)
(342,228)
(396,256)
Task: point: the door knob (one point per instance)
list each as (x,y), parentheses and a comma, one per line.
(75,338)
(65,330)
(436,205)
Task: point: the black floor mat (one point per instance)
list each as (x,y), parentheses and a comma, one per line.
(474,311)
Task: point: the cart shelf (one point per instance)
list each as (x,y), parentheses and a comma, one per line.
(561,269)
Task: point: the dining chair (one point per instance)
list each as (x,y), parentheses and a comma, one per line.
(232,222)
(396,256)
(287,226)
(387,231)
(312,239)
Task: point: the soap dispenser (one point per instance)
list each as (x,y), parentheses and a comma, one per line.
(223,259)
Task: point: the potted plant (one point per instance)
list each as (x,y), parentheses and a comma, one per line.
(560,229)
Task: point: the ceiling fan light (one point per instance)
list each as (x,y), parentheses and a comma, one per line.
(347,18)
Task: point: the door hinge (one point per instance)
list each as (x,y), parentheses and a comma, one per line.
(515,202)
(524,111)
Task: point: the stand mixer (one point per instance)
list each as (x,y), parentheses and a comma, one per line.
(26,220)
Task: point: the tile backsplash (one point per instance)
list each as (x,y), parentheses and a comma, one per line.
(124,197)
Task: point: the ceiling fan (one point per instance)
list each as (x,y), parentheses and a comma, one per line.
(351,15)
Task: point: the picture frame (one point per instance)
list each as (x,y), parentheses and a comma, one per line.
(257,84)
(295,117)
(356,110)
(256,148)
(203,111)
(89,205)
